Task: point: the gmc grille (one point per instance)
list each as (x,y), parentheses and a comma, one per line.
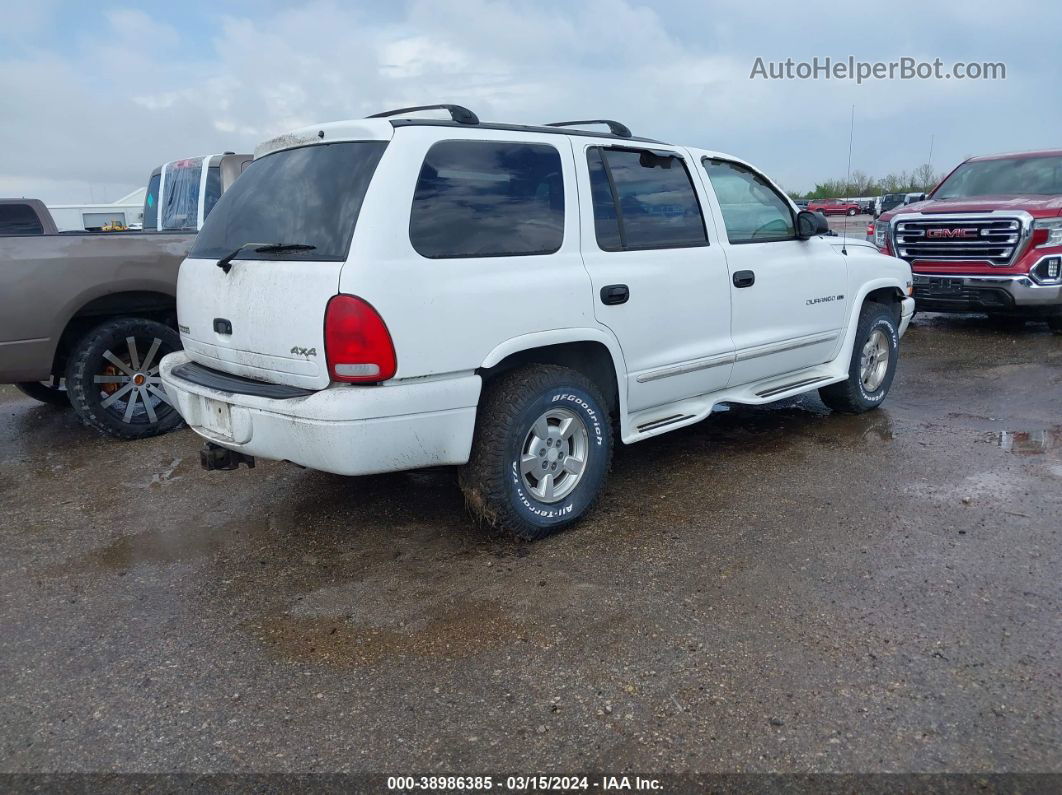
(995,240)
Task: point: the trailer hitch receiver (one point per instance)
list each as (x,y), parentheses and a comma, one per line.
(214,456)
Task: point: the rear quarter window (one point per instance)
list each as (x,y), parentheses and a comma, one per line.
(488,199)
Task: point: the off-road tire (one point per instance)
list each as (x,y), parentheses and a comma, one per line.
(38,390)
(86,361)
(851,396)
(496,491)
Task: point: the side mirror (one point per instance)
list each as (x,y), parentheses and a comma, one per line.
(810,224)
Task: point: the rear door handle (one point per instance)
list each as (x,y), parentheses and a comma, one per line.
(744,278)
(612,294)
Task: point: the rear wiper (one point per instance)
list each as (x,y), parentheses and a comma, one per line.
(225,263)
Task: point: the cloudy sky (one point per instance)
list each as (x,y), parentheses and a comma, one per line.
(94,95)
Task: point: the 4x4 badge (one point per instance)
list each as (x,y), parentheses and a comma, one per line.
(304,351)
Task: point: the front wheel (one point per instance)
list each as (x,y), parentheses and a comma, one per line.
(541,451)
(113,378)
(851,212)
(873,364)
(52,392)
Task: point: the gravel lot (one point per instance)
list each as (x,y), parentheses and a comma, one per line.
(775,589)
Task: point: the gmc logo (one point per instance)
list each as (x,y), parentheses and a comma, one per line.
(951,233)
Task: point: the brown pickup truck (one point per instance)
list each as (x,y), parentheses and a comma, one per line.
(85,317)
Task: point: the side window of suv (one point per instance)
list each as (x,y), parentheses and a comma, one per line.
(488,199)
(752,210)
(643,200)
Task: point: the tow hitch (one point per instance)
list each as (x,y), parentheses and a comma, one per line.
(214,456)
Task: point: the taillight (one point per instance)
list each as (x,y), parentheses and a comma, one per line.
(358,345)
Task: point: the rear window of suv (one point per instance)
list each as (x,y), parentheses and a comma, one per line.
(488,199)
(309,196)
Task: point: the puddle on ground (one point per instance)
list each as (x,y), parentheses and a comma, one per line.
(162,547)
(1026,442)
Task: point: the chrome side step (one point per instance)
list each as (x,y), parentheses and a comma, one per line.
(777,390)
(660,423)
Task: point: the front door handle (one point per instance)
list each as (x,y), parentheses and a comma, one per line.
(744,278)
(612,294)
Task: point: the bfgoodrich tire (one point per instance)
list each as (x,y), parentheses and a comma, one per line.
(113,380)
(541,451)
(873,364)
(51,392)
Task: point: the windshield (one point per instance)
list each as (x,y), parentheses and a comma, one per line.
(1006,176)
(310,196)
(180,194)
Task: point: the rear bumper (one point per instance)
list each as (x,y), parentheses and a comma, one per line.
(348,430)
(1017,294)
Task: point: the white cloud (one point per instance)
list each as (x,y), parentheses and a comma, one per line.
(109,109)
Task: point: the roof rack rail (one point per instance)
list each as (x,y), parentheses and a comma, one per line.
(614,127)
(458,113)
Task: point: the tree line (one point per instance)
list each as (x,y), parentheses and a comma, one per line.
(861,184)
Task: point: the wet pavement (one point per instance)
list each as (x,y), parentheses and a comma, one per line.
(775,589)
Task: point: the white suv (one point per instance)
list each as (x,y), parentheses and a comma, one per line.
(395,293)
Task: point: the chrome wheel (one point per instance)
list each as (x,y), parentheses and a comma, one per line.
(553,456)
(130,386)
(875,361)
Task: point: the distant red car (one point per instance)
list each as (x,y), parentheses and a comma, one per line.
(834,207)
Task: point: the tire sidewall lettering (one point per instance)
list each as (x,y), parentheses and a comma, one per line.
(886,325)
(582,404)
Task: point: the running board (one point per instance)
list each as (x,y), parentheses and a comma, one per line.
(777,390)
(660,423)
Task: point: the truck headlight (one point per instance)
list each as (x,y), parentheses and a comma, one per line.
(1053,229)
(881,233)
(1048,271)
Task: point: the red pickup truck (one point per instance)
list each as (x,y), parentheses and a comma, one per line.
(987,239)
(834,207)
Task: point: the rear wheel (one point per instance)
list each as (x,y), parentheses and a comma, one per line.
(52,392)
(113,378)
(872,366)
(541,451)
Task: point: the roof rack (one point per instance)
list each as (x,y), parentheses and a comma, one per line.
(614,127)
(458,113)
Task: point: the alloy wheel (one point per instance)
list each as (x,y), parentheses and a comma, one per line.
(875,361)
(130,385)
(554,455)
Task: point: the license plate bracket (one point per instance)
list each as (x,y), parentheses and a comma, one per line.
(938,284)
(216,417)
